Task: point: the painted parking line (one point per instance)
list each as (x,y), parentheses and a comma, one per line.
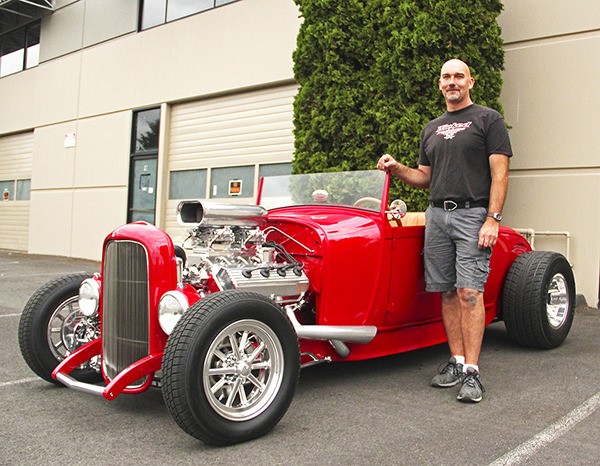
(551,433)
(18,382)
(10,315)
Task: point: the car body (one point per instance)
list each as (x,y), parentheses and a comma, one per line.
(323,268)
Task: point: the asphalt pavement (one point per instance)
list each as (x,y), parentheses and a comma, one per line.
(540,407)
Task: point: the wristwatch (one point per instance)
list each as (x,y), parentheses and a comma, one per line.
(495,215)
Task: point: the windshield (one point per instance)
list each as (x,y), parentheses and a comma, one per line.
(362,189)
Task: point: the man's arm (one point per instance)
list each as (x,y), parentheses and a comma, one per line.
(488,234)
(416,177)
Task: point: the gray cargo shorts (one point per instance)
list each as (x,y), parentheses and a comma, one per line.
(451,255)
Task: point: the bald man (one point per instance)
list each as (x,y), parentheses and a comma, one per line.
(463,159)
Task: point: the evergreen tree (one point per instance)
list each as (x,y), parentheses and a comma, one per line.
(368,71)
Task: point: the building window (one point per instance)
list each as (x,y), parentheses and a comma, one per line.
(23,190)
(15,190)
(20,49)
(232,182)
(146,129)
(275,169)
(187,184)
(8,190)
(143,166)
(156,12)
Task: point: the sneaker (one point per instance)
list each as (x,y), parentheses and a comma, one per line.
(450,373)
(472,389)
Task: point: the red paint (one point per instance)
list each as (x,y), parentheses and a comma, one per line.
(362,271)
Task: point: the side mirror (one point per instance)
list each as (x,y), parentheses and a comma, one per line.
(398,208)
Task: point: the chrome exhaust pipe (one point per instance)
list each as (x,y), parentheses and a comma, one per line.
(346,333)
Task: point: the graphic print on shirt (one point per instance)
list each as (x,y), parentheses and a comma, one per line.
(452,129)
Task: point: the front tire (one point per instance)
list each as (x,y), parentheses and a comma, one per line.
(52,327)
(230,367)
(539,299)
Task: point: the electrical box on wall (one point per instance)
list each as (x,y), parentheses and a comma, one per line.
(70,139)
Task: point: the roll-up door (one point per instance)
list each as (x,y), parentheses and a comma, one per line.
(215,141)
(15,181)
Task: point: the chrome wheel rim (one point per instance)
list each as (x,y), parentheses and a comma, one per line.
(243,370)
(557,301)
(68,329)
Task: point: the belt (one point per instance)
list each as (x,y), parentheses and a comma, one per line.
(449,205)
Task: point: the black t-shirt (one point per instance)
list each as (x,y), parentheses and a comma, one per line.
(457,146)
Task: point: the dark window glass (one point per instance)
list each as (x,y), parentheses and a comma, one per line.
(155,12)
(20,49)
(275,169)
(13,41)
(143,167)
(7,189)
(12,53)
(23,190)
(187,184)
(232,182)
(147,126)
(32,52)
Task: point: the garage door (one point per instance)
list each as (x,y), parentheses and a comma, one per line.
(15,181)
(219,147)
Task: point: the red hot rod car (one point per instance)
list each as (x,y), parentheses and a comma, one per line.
(324,268)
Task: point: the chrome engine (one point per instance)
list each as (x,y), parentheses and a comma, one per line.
(228,244)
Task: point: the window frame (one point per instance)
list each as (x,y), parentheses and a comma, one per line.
(165,11)
(14,193)
(139,155)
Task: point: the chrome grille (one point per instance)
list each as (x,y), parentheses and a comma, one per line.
(125,307)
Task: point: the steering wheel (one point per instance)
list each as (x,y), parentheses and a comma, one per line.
(368,200)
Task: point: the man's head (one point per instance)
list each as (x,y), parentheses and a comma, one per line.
(456,82)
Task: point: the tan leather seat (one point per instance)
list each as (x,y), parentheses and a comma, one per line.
(412,219)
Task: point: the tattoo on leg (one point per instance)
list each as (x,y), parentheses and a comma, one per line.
(472,299)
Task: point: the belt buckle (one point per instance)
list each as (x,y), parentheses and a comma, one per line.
(449,206)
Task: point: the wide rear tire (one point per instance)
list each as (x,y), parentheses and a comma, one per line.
(230,367)
(538,302)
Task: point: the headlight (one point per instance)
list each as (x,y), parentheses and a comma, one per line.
(89,297)
(171,307)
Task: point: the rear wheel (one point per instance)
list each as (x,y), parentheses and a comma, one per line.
(52,327)
(230,367)
(539,299)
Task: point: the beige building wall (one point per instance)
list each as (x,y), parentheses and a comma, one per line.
(552,103)
(79,193)
(95,70)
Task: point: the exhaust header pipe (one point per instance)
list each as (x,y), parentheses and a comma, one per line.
(346,333)
(194,214)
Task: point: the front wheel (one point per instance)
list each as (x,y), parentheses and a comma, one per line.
(539,299)
(52,327)
(230,367)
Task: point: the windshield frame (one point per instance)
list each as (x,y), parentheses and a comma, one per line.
(263,186)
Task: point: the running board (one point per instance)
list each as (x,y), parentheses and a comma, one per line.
(346,333)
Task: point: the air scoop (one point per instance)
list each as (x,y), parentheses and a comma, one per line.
(194,213)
